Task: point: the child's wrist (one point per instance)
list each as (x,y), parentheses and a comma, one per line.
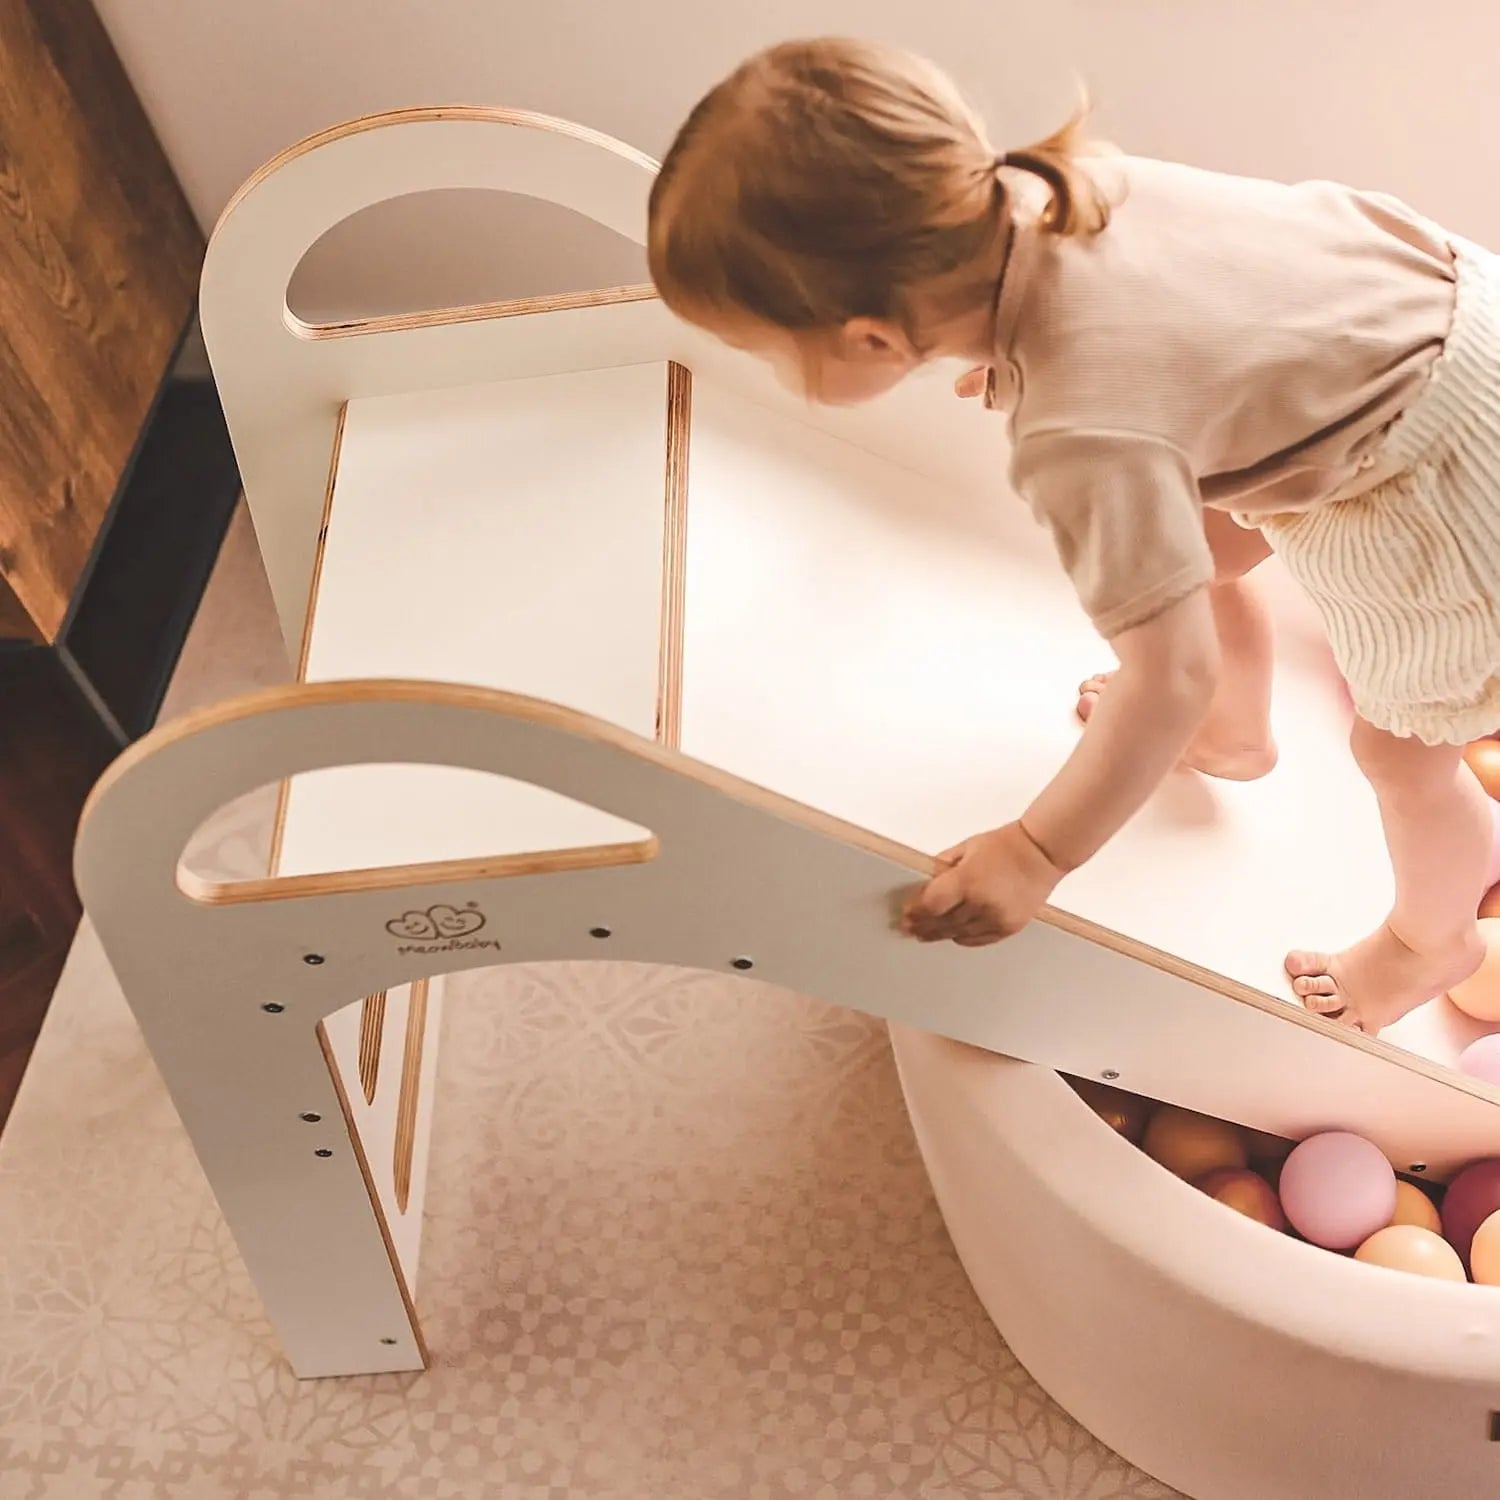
(1053,866)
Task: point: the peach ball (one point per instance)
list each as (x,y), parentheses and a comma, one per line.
(1405,1247)
(1191,1145)
(1484,1253)
(1483,757)
(1246,1193)
(1479,995)
(1415,1209)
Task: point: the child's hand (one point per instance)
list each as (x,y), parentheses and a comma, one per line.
(972,382)
(995,885)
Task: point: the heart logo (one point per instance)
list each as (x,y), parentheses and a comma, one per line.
(436,922)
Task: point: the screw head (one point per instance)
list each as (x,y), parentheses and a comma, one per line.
(742,963)
(1419,1166)
(1110,1074)
(600,932)
(272,1008)
(313,959)
(388,1342)
(310,1117)
(323,1151)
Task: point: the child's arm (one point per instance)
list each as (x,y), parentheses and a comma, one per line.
(998,881)
(1136,734)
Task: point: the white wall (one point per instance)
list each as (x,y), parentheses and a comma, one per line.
(1386,93)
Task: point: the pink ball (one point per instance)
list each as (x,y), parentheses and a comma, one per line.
(1471,1198)
(1338,1189)
(1493,875)
(1481,1059)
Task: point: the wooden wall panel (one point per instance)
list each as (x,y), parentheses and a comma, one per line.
(99,260)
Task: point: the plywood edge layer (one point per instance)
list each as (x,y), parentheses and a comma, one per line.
(480,113)
(674,555)
(405,1145)
(376,1207)
(476,312)
(304,646)
(396,877)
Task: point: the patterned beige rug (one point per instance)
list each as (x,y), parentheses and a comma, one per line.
(679,1246)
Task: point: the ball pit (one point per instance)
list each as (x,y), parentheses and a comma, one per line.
(1334,1190)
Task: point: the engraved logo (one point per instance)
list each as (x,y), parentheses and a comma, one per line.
(434,923)
(440,929)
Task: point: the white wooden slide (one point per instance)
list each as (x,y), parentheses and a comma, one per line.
(608,647)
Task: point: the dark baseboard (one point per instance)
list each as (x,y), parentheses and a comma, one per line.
(52,752)
(69,708)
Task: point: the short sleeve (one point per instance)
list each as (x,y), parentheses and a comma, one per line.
(1126,517)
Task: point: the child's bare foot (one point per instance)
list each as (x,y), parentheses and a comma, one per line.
(1373,984)
(1215,751)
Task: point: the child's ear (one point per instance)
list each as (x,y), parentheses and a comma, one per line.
(877,339)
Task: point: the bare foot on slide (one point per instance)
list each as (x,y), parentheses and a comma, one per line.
(1373,984)
(1212,752)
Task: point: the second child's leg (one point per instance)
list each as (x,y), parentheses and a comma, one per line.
(1234,740)
(1438,830)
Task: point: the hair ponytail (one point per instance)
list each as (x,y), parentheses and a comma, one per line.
(1078,206)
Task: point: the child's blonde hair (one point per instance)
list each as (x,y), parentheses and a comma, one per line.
(832,179)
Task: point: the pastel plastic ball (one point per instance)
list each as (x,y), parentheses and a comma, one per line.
(1405,1247)
(1246,1193)
(1125,1114)
(1471,1198)
(1416,1209)
(1492,870)
(1337,1190)
(1490,906)
(1483,757)
(1479,995)
(1484,1253)
(1192,1145)
(1481,1059)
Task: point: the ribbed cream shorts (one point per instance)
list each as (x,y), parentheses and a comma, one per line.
(1407,575)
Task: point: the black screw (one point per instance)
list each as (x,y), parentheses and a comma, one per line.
(271,1008)
(1110,1074)
(742,963)
(310,1117)
(323,1151)
(600,932)
(388,1341)
(1419,1166)
(313,958)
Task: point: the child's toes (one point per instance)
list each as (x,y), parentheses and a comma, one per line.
(1312,982)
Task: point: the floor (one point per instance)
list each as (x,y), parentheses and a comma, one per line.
(680,1245)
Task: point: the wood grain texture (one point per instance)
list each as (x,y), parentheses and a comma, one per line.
(99,256)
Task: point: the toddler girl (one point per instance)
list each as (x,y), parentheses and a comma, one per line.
(1198,370)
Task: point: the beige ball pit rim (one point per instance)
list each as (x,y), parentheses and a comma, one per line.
(1229,1361)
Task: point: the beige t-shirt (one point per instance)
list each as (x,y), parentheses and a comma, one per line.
(1224,342)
